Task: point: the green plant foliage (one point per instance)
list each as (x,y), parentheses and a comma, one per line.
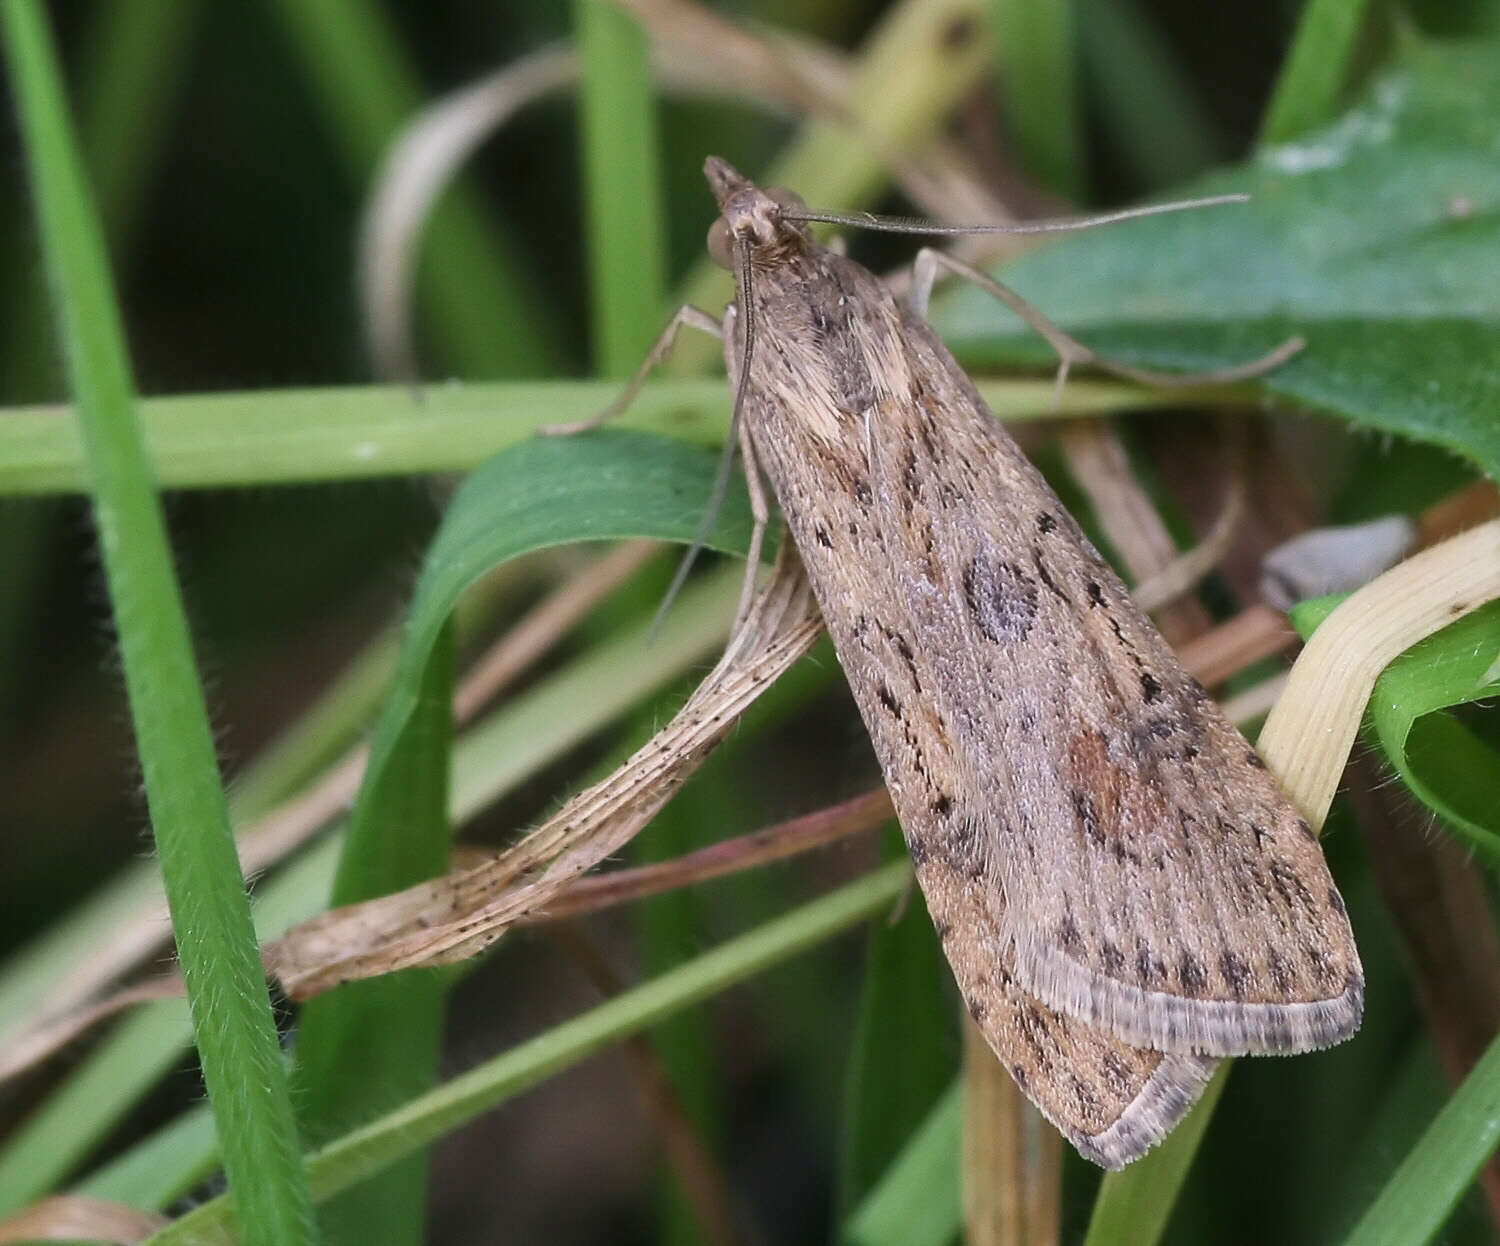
(1373,238)
(1444,763)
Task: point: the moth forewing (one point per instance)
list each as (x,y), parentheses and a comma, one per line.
(1113,873)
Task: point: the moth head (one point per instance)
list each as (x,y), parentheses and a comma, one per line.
(753,219)
(749,217)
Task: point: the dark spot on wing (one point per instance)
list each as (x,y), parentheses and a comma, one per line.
(862,493)
(1335,901)
(1236,974)
(1254,759)
(1260,833)
(1088,1101)
(978,1008)
(1322,970)
(942,929)
(1150,687)
(1117,1072)
(1001,598)
(1096,594)
(1088,817)
(943,806)
(1045,523)
(824,539)
(1280,971)
(1044,575)
(888,699)
(1111,957)
(1190,974)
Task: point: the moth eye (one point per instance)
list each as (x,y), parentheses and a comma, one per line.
(720,244)
(789,199)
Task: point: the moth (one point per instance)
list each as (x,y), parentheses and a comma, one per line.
(1121,889)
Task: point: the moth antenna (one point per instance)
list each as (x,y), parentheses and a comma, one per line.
(920,225)
(726,459)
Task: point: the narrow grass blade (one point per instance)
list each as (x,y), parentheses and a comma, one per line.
(369,1046)
(1419,1198)
(1038,58)
(236,1037)
(626,241)
(917,1202)
(445,1109)
(1316,70)
(1133,1206)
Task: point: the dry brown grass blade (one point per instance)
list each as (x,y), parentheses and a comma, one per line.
(71,1218)
(1307,738)
(454,917)
(262,843)
(1097,461)
(34,1045)
(1256,633)
(1012,1189)
(590,893)
(771,843)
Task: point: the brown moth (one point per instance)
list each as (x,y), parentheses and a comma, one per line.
(1122,891)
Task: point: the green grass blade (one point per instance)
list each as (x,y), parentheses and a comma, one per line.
(445,1109)
(369,1046)
(918,1201)
(1133,1206)
(161,1168)
(1316,70)
(1037,52)
(626,239)
(211,915)
(488,315)
(81,1112)
(905,1043)
(1146,105)
(354,433)
(1420,1197)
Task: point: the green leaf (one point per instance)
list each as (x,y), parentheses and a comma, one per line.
(918,1202)
(1443,763)
(1419,1198)
(1376,239)
(1446,766)
(905,1043)
(604,486)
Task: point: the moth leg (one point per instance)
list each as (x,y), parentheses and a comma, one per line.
(687,314)
(1069,349)
(760,513)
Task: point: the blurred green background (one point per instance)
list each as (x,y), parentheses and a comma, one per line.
(232,148)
